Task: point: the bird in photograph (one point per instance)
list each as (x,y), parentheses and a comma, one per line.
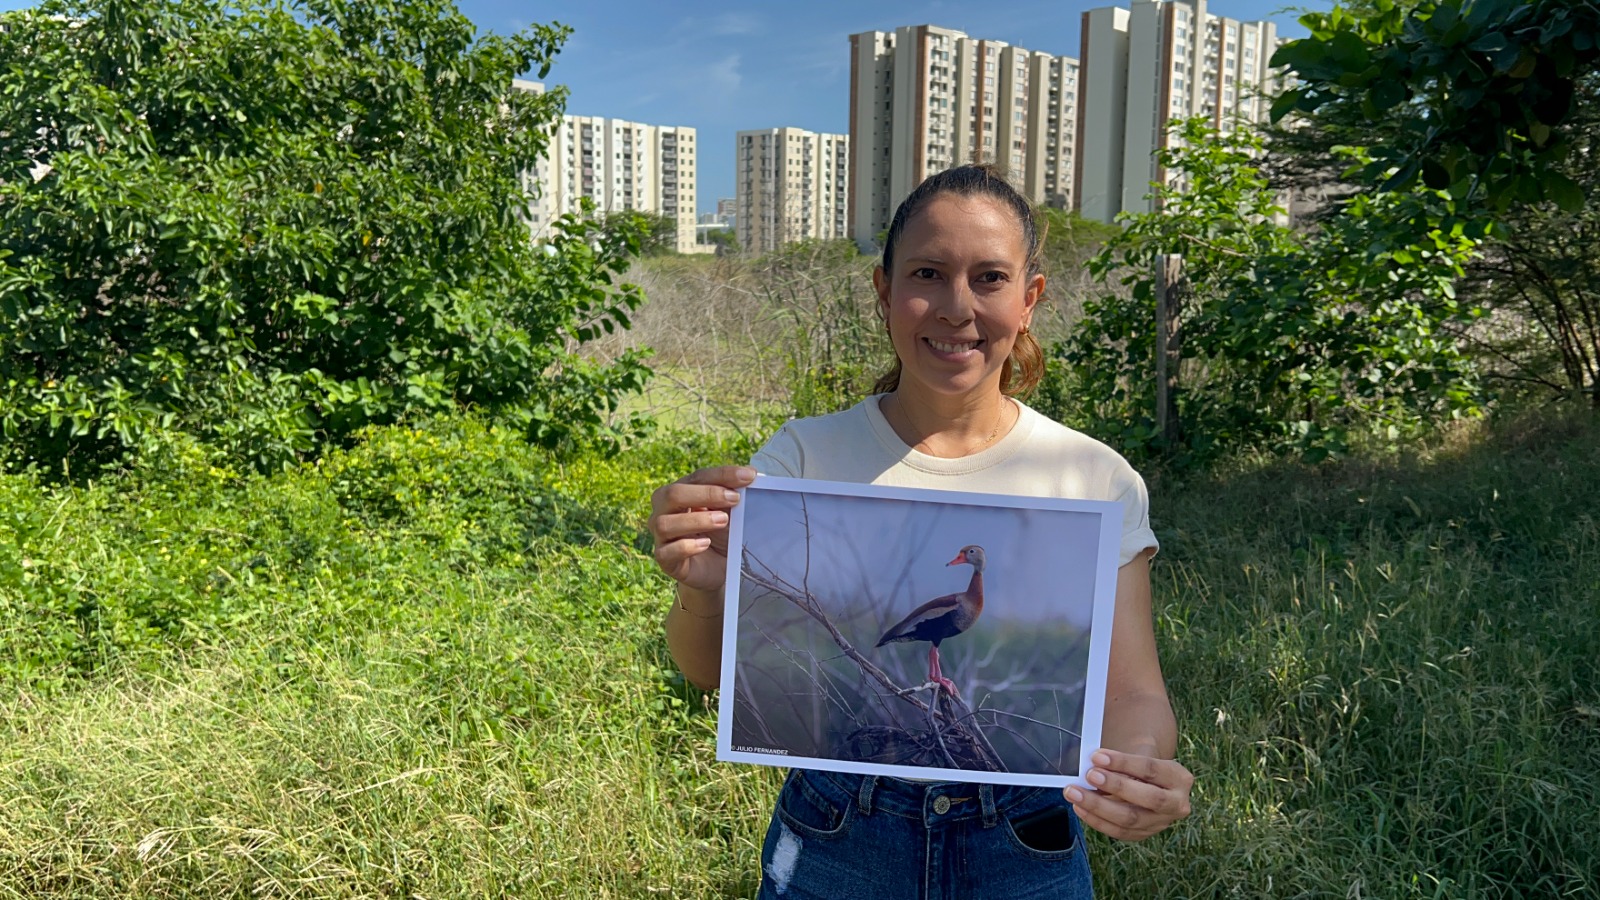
(944,617)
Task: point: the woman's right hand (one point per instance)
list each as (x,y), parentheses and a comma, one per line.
(689,521)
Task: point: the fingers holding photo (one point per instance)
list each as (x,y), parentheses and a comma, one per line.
(690,517)
(1134,797)
(712,488)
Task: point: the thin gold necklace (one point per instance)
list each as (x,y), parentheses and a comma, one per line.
(920,445)
(1001,420)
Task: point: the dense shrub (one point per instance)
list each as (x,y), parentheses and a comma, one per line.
(271,225)
(1291,341)
(184,550)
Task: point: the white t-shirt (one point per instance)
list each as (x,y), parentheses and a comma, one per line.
(1038,458)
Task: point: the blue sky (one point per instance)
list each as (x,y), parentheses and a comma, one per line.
(722,66)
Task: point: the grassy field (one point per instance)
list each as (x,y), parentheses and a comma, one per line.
(431,667)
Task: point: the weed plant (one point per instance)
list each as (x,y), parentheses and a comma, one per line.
(431,665)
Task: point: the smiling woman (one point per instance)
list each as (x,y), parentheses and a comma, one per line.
(958,286)
(957,304)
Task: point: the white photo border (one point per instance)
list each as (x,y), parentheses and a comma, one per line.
(1107,557)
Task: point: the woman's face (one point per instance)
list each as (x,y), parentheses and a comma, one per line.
(958,295)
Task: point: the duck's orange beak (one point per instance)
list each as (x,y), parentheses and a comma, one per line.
(960,558)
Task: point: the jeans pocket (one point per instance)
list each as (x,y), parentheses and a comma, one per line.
(806,811)
(1049,833)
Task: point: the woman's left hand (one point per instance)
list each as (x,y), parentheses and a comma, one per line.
(1135,796)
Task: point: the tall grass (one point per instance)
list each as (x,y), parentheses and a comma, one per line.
(431,666)
(1386,673)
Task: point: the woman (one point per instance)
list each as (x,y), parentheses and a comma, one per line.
(957,287)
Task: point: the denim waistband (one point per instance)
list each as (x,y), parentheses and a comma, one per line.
(932,802)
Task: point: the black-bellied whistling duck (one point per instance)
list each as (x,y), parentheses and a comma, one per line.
(943,617)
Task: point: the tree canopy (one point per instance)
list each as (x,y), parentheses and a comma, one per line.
(1284,339)
(1493,104)
(273,223)
(1480,93)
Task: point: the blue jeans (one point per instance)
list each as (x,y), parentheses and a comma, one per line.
(867,837)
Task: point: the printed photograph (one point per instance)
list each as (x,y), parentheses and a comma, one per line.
(927,634)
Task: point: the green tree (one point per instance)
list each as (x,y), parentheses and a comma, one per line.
(1541,276)
(726,242)
(658,233)
(272,223)
(1497,103)
(1285,339)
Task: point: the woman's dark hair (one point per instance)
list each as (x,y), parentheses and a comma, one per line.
(1025,366)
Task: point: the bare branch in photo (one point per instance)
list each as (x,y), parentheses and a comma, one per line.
(946,715)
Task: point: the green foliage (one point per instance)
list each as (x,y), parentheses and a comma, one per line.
(726,242)
(658,234)
(430,604)
(1371,636)
(1286,340)
(184,551)
(1539,273)
(1495,103)
(399,703)
(1479,93)
(271,225)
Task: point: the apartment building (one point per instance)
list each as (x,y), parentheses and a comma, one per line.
(790,185)
(1144,66)
(1051,148)
(620,165)
(924,98)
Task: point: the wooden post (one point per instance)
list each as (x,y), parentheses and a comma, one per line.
(1170,287)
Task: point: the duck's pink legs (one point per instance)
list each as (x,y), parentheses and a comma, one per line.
(935,675)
